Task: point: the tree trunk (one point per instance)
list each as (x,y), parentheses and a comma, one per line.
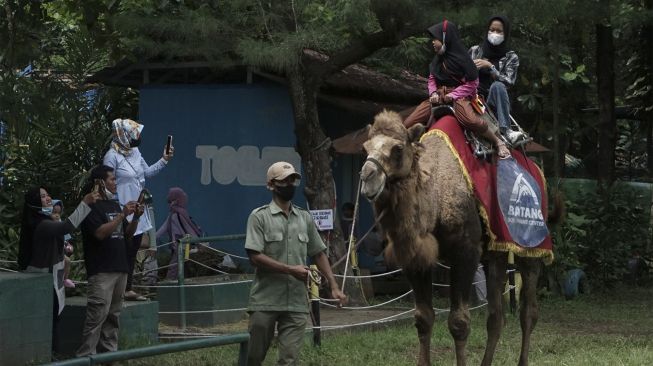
(313,147)
(558,151)
(607,122)
(647,43)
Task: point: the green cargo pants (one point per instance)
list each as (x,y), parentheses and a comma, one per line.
(291,327)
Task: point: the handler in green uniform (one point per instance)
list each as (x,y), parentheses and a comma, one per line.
(280,236)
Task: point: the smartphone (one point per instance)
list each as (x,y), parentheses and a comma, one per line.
(98,187)
(141,197)
(168,144)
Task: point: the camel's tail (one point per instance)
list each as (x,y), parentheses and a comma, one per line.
(559,212)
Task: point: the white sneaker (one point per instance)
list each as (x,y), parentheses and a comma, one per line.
(515,136)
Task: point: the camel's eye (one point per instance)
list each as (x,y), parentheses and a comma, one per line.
(396,151)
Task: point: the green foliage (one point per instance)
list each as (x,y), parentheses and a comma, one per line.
(635,19)
(601,232)
(58,129)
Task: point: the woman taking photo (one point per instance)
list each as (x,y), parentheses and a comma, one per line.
(131,170)
(41,245)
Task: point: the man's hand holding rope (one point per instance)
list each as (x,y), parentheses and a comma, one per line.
(324,267)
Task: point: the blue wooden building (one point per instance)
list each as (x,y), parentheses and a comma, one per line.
(230,125)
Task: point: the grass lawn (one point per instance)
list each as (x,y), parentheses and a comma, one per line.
(600,329)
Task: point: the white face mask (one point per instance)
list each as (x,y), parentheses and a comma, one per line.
(111,196)
(495,38)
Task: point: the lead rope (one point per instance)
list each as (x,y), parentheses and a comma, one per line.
(351,234)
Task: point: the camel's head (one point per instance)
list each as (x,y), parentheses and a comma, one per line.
(390,152)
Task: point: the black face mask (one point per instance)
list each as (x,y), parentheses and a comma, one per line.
(134,143)
(285,193)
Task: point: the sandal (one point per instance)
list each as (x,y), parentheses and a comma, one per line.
(503,151)
(133,296)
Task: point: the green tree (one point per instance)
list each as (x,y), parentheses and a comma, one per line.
(57,125)
(305,41)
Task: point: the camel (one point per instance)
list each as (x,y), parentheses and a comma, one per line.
(431,213)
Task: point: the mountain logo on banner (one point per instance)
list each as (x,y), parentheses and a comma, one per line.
(523,191)
(520,200)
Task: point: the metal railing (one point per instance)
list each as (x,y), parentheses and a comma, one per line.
(159,349)
(182,244)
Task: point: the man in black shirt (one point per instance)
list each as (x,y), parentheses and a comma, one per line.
(106,235)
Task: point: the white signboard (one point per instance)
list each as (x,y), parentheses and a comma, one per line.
(323,219)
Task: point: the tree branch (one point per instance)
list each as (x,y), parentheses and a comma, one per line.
(361,48)
(398,19)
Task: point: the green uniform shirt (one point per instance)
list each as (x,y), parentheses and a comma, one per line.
(287,240)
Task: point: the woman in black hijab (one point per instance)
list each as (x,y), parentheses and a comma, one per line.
(452,76)
(497,68)
(42,240)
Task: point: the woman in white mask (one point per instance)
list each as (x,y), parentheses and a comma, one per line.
(41,245)
(131,170)
(497,68)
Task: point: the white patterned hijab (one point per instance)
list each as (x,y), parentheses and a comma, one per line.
(124,131)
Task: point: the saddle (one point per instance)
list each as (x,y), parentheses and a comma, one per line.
(482,148)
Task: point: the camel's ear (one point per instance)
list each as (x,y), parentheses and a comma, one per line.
(368,130)
(415,132)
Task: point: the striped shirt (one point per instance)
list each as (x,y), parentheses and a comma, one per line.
(508,64)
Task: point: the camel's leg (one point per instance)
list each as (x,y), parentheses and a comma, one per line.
(497,264)
(530,271)
(420,281)
(462,274)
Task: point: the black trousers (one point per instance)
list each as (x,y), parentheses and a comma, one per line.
(55,323)
(131,259)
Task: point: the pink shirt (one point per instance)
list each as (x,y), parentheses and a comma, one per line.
(465,90)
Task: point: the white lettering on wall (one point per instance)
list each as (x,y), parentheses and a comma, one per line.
(247,164)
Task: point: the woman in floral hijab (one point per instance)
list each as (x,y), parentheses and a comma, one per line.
(131,170)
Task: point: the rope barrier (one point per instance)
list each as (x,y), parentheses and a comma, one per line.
(7,261)
(477,306)
(201,311)
(158,246)
(208,267)
(373,276)
(209,239)
(381,320)
(444,285)
(351,233)
(8,270)
(194,285)
(376,321)
(223,252)
(365,307)
(156,269)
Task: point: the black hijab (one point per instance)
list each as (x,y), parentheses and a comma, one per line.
(450,68)
(495,53)
(31,219)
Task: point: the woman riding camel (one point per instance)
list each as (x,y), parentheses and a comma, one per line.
(453,76)
(497,68)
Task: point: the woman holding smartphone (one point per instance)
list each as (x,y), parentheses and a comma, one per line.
(131,171)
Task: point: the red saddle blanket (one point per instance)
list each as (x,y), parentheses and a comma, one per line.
(481,175)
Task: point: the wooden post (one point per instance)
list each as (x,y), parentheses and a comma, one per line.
(315,310)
